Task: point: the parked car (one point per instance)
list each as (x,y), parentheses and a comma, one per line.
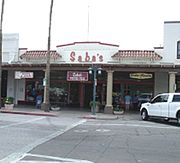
(143,98)
(166,106)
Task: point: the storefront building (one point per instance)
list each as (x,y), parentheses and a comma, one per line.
(134,71)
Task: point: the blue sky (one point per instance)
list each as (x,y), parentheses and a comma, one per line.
(132,24)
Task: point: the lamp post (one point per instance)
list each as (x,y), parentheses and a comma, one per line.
(94,70)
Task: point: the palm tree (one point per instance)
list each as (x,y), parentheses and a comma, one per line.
(47,75)
(2,13)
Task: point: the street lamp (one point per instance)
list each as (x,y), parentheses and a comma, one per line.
(94,70)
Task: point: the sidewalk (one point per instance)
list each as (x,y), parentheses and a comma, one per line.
(27,111)
(30,110)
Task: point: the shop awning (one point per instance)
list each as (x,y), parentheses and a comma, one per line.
(137,54)
(40,54)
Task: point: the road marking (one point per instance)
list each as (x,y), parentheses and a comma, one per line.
(52,158)
(14,156)
(81,131)
(20,123)
(103,130)
(134,125)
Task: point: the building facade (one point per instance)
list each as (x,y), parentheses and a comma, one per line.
(123,71)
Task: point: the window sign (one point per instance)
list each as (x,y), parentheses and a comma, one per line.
(140,75)
(23,75)
(77,76)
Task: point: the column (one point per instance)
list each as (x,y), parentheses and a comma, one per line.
(109,108)
(172,82)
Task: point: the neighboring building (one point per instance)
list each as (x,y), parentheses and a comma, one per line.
(134,71)
(10,49)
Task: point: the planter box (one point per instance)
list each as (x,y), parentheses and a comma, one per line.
(118,112)
(96,109)
(9,106)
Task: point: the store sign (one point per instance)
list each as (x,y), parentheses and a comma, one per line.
(140,75)
(85,57)
(77,76)
(23,75)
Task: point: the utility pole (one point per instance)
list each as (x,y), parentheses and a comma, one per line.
(46,103)
(2,13)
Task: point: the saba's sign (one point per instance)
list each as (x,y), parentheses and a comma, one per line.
(85,57)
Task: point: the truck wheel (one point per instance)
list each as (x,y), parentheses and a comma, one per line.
(144,115)
(178,118)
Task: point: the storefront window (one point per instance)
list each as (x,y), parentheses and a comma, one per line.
(58,93)
(34,86)
(134,83)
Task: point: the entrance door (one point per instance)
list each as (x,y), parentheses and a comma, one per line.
(74,94)
(88,94)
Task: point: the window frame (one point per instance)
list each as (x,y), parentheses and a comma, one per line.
(175,98)
(178,49)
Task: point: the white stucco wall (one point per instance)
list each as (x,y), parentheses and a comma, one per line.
(15,87)
(102,52)
(20,91)
(11,84)
(161,82)
(171,36)
(10,47)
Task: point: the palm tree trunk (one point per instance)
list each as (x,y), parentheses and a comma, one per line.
(2,13)
(47,74)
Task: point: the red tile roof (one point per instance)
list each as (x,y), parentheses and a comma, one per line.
(137,54)
(40,54)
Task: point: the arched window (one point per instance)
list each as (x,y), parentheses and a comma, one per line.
(178,50)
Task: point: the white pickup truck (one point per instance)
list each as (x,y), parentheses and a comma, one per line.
(166,105)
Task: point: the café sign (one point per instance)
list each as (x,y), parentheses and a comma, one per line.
(140,75)
(77,76)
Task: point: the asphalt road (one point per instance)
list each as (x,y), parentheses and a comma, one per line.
(126,140)
(22,133)
(115,141)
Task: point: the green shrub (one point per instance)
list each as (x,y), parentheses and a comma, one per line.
(97,103)
(8,100)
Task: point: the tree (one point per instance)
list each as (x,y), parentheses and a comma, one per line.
(47,73)
(2,13)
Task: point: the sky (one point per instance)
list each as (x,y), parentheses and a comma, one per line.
(131,24)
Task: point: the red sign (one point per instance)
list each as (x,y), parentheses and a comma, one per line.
(77,76)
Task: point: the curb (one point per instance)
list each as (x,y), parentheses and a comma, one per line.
(28,113)
(100,117)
